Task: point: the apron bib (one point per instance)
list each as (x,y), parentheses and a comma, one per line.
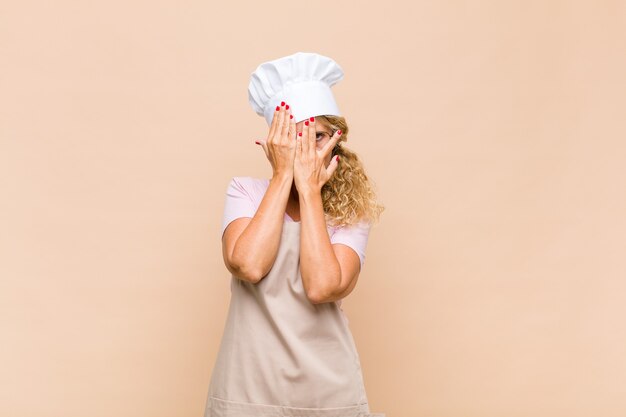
(280,355)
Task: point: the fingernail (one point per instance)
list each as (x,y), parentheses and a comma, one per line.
(277,108)
(300,134)
(291,116)
(312,119)
(337,158)
(339,132)
(282,103)
(257,142)
(287,107)
(306,123)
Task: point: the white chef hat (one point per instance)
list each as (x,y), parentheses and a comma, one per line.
(302,80)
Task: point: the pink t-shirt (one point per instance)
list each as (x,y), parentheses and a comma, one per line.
(244,195)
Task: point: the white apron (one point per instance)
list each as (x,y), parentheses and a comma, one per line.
(281,355)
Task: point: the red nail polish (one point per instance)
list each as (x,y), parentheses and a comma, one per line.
(287,107)
(339,132)
(312,119)
(277,108)
(291,116)
(300,134)
(306,123)
(282,103)
(257,142)
(337,158)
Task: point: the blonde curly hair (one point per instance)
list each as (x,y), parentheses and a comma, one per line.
(348,196)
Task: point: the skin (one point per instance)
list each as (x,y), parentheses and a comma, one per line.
(301,165)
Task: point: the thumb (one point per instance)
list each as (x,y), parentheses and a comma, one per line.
(263,145)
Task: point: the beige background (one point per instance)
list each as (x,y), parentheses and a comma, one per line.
(494,131)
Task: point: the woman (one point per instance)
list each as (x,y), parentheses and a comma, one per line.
(295,245)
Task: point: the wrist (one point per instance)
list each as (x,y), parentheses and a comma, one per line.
(308,193)
(283,176)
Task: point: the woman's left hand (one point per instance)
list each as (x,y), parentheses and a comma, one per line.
(309,167)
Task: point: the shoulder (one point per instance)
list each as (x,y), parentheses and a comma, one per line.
(353,235)
(362,228)
(356,234)
(243,195)
(248,181)
(250,185)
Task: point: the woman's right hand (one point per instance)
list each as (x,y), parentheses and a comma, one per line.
(280,145)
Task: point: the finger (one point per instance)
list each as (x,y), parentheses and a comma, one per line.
(299,145)
(281,119)
(292,128)
(304,134)
(332,166)
(273,124)
(331,143)
(305,137)
(286,123)
(312,136)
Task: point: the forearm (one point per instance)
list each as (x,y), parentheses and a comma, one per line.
(257,246)
(319,267)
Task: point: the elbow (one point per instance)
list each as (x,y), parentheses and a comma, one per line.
(325,291)
(249,274)
(320,295)
(245,271)
(315,298)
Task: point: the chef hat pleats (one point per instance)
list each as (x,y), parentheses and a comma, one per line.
(302,80)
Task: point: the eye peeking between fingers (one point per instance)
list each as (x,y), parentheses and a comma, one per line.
(319,136)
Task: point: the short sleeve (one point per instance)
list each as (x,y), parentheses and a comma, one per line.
(354,236)
(239,201)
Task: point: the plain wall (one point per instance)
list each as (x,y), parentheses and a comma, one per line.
(494,132)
